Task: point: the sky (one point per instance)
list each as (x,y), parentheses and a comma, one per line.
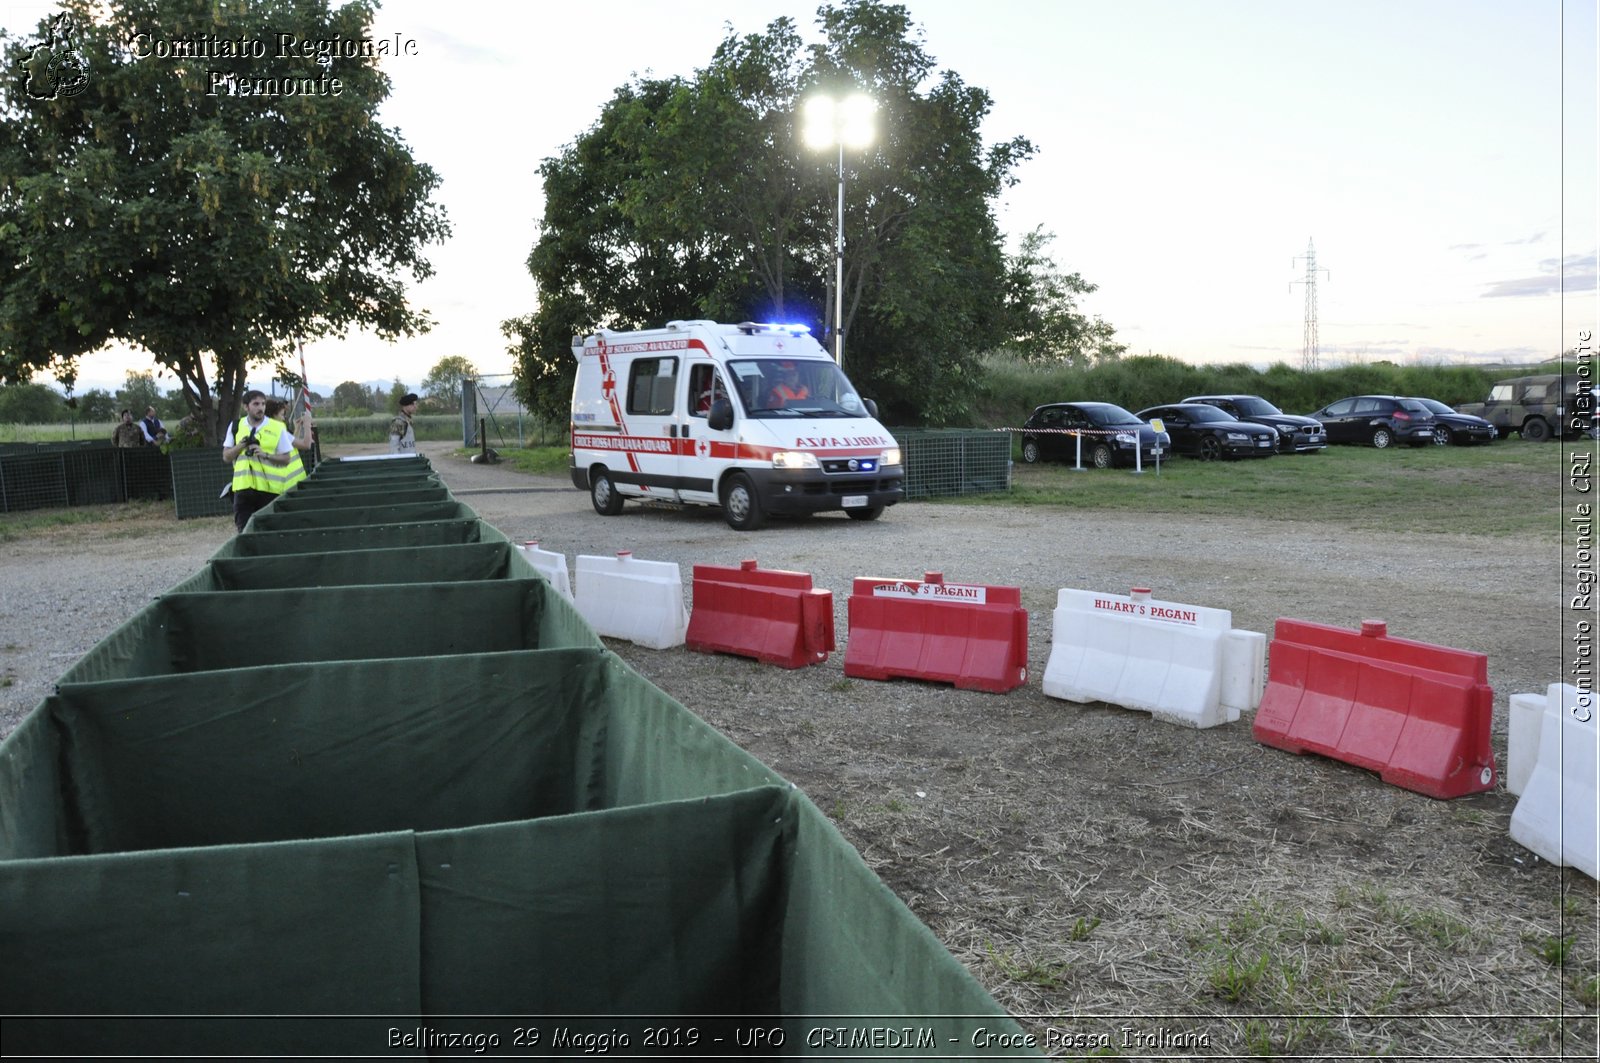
(1440,155)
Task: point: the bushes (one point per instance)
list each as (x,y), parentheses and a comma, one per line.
(1012,388)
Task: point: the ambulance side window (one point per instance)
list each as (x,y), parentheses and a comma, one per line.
(652,383)
(705,387)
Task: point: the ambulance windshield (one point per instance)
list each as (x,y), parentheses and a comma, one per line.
(793,387)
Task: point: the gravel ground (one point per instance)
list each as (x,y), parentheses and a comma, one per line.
(1095,868)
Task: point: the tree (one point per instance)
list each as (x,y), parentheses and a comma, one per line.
(691,198)
(185,208)
(137,392)
(351,399)
(31,404)
(443,383)
(1046,325)
(96,405)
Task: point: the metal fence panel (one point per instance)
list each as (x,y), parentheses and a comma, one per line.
(198,477)
(946,462)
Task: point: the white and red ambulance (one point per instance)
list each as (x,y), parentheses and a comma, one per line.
(754,418)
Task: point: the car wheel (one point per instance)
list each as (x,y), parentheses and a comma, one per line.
(1030,451)
(603,493)
(1382,437)
(1210,448)
(741,507)
(1100,456)
(1443,437)
(1536,430)
(869,513)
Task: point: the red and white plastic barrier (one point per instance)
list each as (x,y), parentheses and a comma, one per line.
(1416,713)
(769,614)
(1554,750)
(1182,663)
(971,635)
(552,566)
(624,598)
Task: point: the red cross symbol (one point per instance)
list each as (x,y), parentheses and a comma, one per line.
(702,447)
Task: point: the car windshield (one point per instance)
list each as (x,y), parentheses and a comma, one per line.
(785,387)
(1205,413)
(1250,406)
(1435,406)
(1108,416)
(1413,405)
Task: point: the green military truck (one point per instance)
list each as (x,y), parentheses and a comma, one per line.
(1541,407)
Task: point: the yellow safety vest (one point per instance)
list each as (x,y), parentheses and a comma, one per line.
(250,474)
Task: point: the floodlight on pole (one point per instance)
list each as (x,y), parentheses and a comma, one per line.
(845,123)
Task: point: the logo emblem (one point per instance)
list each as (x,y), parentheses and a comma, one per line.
(55,70)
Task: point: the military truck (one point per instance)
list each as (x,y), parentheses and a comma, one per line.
(1541,407)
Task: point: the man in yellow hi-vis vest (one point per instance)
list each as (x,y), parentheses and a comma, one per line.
(260,458)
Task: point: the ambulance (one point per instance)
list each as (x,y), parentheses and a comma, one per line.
(755,418)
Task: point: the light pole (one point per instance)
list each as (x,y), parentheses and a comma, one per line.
(846,122)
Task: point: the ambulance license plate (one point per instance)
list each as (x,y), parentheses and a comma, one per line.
(854,501)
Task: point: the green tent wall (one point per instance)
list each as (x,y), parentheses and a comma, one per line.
(438,804)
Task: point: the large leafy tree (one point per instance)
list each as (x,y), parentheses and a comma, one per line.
(693,197)
(443,383)
(159,206)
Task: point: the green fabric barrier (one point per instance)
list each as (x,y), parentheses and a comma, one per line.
(34,821)
(724,892)
(359,537)
(360,747)
(295,501)
(298,928)
(420,564)
(399,479)
(343,516)
(662,909)
(375,465)
(182,633)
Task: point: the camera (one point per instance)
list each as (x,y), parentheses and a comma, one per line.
(251,440)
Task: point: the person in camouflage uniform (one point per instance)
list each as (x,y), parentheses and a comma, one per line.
(402,436)
(127,433)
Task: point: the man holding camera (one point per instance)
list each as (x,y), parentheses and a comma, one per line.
(260,458)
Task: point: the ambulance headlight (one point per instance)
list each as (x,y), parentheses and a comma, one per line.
(794,459)
(891,456)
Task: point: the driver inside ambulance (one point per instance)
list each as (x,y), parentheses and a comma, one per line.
(788,389)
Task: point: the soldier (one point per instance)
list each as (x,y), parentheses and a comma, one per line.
(402,436)
(260,458)
(127,433)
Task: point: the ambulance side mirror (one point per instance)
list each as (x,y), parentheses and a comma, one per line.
(720,417)
(872,408)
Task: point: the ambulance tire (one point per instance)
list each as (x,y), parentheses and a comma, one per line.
(603,493)
(741,506)
(869,513)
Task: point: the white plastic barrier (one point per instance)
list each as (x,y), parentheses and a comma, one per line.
(1556,815)
(551,565)
(641,601)
(1526,718)
(1183,663)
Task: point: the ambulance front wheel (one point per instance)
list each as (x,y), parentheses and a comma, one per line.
(603,493)
(741,506)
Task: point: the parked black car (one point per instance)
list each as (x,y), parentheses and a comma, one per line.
(1381,420)
(1203,431)
(1107,432)
(1302,435)
(1456,427)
